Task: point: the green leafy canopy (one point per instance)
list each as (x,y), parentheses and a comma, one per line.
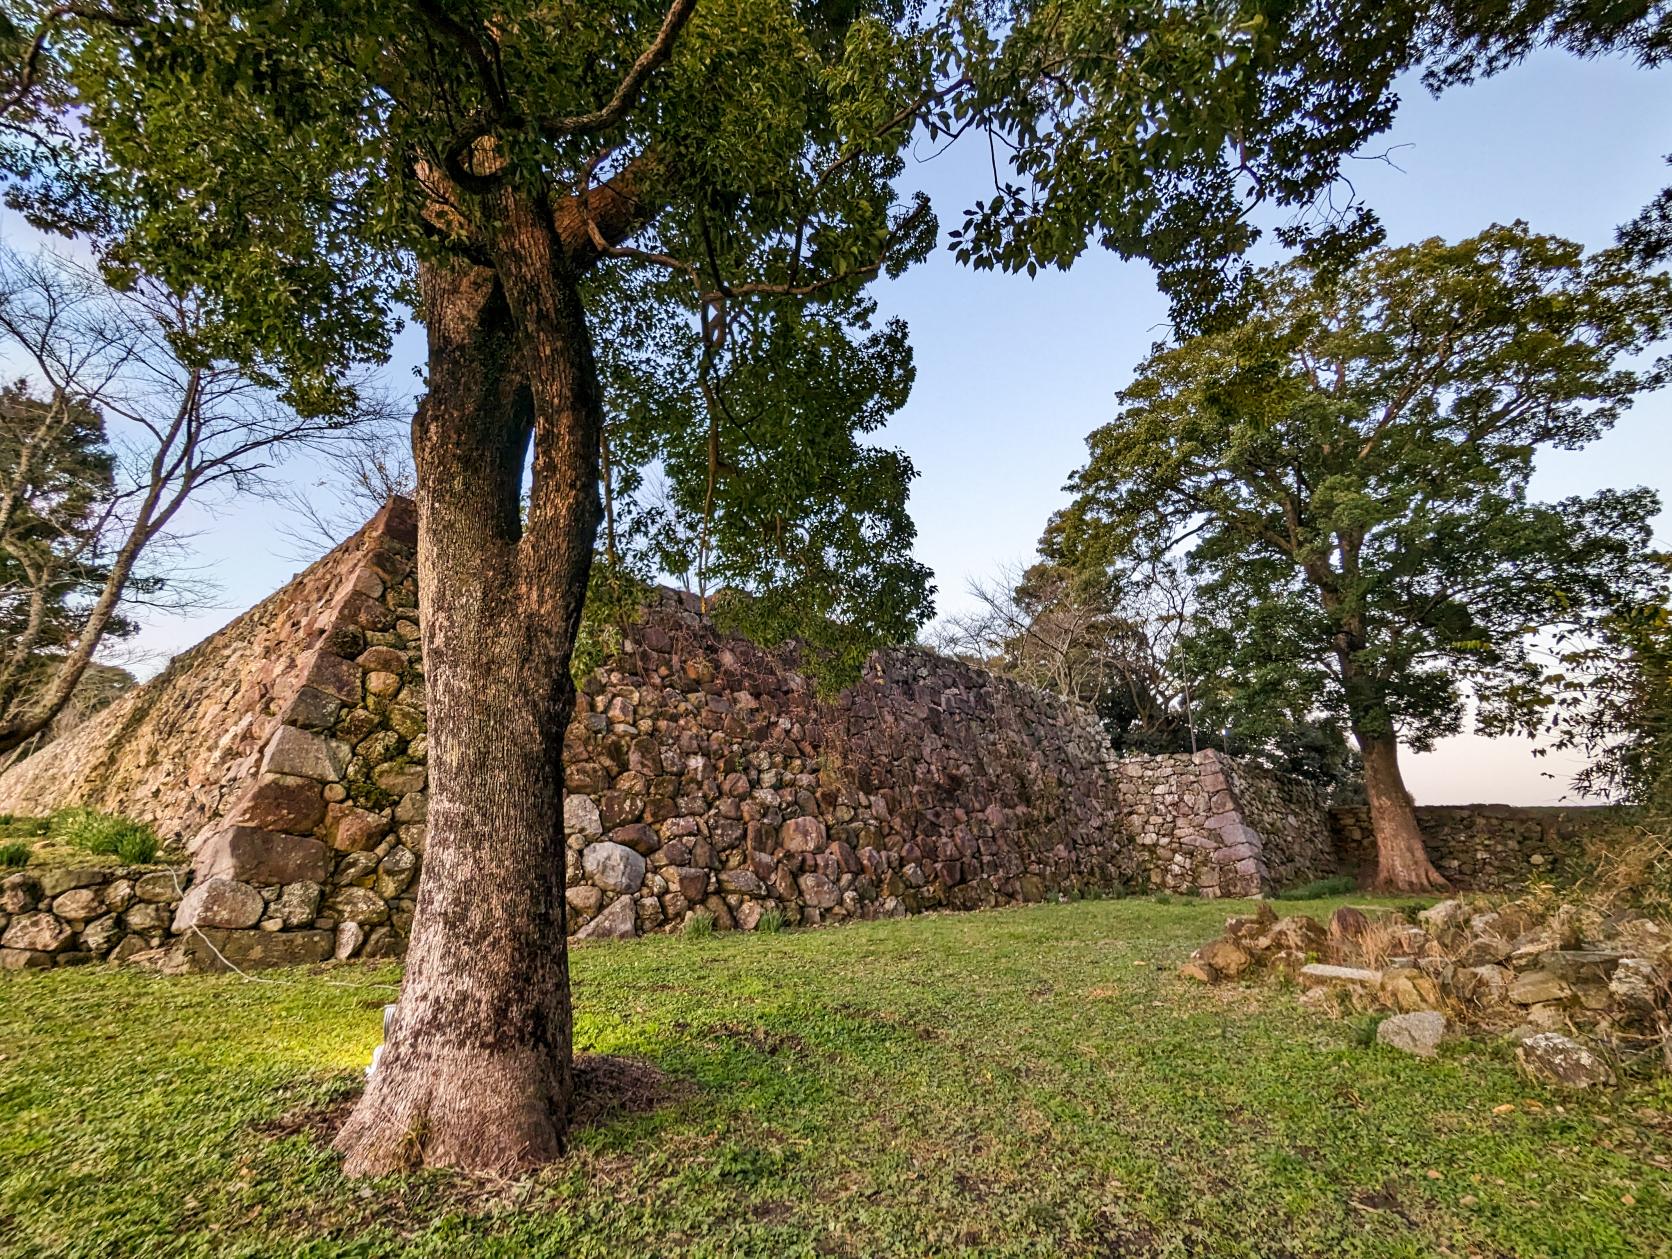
(1350,466)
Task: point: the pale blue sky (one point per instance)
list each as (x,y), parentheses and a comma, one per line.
(1013,373)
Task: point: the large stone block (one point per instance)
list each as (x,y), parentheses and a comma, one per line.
(254,950)
(613,867)
(334,676)
(304,754)
(263,857)
(57,880)
(219,902)
(281,802)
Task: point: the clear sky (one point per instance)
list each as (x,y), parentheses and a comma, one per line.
(1013,373)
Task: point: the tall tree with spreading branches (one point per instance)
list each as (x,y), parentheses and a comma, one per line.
(1350,468)
(306,168)
(117,424)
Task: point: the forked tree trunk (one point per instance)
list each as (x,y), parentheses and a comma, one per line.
(1402,863)
(476,1073)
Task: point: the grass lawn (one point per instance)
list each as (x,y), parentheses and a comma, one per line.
(1019,1082)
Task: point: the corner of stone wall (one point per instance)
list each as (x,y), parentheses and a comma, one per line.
(316,858)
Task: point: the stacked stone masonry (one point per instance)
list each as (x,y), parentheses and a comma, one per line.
(1484,846)
(286,755)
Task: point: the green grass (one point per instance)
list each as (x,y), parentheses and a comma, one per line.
(14,854)
(1018,1082)
(1318,889)
(104,834)
(78,836)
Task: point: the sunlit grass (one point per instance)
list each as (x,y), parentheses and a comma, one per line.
(1019,1082)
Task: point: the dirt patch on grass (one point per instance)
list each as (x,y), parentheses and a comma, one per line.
(759,1039)
(606,1088)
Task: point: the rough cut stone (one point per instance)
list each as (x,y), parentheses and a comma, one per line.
(1561,1060)
(251,950)
(613,867)
(263,857)
(219,902)
(303,754)
(311,709)
(619,921)
(1318,975)
(38,933)
(1417,1033)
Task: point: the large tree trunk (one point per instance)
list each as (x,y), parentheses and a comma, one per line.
(476,1070)
(1402,863)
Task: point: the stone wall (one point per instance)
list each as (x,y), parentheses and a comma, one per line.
(286,755)
(1483,846)
(1206,825)
(66,916)
(707,776)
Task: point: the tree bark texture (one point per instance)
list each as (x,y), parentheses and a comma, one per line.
(476,1072)
(1402,863)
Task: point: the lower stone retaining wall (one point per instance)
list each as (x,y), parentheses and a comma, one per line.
(67,916)
(1483,846)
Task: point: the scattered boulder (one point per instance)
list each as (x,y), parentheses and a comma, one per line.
(1201,972)
(1418,1032)
(1297,933)
(1558,1059)
(1407,988)
(1347,924)
(1637,986)
(1225,958)
(1445,916)
(1538,987)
